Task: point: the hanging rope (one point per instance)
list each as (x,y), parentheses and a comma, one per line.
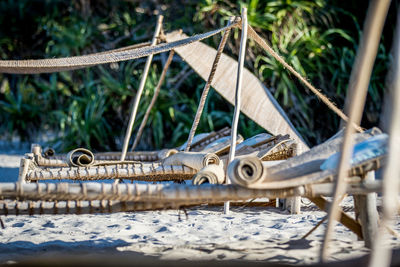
(153,100)
(260,41)
(207,87)
(34,66)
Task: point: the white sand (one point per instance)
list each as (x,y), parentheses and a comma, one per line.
(247,233)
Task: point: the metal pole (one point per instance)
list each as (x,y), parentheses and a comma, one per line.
(140,90)
(236,113)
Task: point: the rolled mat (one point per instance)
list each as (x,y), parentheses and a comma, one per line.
(165,153)
(194,160)
(144,156)
(246,171)
(202,143)
(251,172)
(211,174)
(49,152)
(221,146)
(80,157)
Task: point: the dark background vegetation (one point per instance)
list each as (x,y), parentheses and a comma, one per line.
(90,107)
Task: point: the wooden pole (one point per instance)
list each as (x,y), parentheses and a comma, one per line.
(165,193)
(153,99)
(140,90)
(357,91)
(381,252)
(367,213)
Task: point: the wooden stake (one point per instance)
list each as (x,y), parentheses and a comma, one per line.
(367,213)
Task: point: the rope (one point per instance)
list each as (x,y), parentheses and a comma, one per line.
(260,41)
(153,100)
(78,62)
(207,87)
(315,227)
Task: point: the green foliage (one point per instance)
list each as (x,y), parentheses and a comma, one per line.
(304,33)
(91,107)
(22,109)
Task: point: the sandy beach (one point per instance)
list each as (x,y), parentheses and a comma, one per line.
(247,233)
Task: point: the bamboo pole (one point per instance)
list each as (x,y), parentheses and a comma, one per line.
(381,252)
(357,91)
(140,90)
(167,193)
(251,172)
(153,100)
(145,156)
(77,207)
(236,113)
